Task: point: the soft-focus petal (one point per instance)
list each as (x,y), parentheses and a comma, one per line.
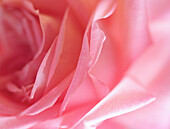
(50,28)
(151,63)
(86,58)
(83,8)
(90,90)
(80,73)
(54,7)
(70,53)
(65,121)
(43,72)
(155,115)
(8,107)
(126,97)
(17,122)
(127,36)
(49,99)
(44,69)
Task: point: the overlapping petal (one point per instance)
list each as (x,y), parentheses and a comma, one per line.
(94,65)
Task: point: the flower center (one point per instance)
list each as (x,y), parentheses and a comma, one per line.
(20,40)
(17,45)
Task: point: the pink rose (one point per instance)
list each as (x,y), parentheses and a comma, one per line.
(84,64)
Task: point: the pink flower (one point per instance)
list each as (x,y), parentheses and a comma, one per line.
(84,64)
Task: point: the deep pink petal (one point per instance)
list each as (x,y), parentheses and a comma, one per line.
(8,107)
(54,7)
(83,7)
(49,99)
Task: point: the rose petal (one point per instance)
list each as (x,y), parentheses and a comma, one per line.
(127,36)
(49,99)
(35,27)
(151,113)
(157,57)
(70,50)
(96,43)
(8,107)
(44,70)
(80,73)
(104,10)
(50,28)
(43,73)
(108,124)
(158,9)
(64,121)
(126,97)
(26,122)
(100,88)
(54,7)
(136,27)
(84,94)
(83,64)
(83,7)
(15,42)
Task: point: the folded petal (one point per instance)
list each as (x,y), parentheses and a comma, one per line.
(50,28)
(80,73)
(100,88)
(65,121)
(155,115)
(83,8)
(85,56)
(49,99)
(49,60)
(67,50)
(43,73)
(91,87)
(126,97)
(127,36)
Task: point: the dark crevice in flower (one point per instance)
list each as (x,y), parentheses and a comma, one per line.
(20,40)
